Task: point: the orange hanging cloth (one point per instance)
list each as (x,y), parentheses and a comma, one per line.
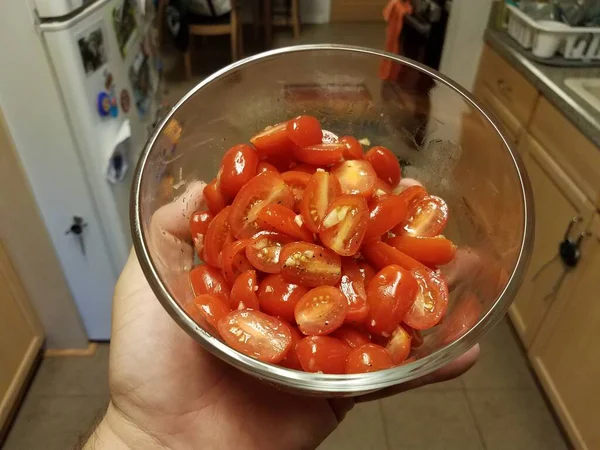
(393,14)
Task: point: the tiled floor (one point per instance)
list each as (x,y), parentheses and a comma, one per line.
(497,405)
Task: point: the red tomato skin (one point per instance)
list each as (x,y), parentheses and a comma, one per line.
(238,167)
(351,336)
(323,354)
(199,222)
(297,181)
(368,358)
(431,301)
(431,251)
(352,286)
(278,298)
(356,177)
(206,279)
(304,130)
(320,311)
(385,164)
(390,295)
(298,258)
(399,345)
(353,148)
(215,200)
(218,235)
(211,308)
(243,291)
(381,188)
(264,166)
(367,272)
(291,360)
(314,206)
(280,219)
(320,154)
(272,141)
(234,260)
(428,218)
(306,168)
(386,212)
(355,219)
(267,261)
(379,254)
(256,334)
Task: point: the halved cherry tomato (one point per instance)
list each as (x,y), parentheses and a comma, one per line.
(310,264)
(385,164)
(379,254)
(416,337)
(215,200)
(278,297)
(367,272)
(280,219)
(356,177)
(234,259)
(199,222)
(243,291)
(282,161)
(428,218)
(320,191)
(368,358)
(353,148)
(431,302)
(352,286)
(399,345)
(321,311)
(344,225)
(256,334)
(320,154)
(381,188)
(390,295)
(264,251)
(238,166)
(211,308)
(262,190)
(272,141)
(306,168)
(323,354)
(351,336)
(218,235)
(264,166)
(206,279)
(386,212)
(304,130)
(291,360)
(297,182)
(432,251)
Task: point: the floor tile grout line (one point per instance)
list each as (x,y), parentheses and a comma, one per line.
(384,426)
(475,421)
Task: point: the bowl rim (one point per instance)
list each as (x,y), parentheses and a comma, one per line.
(316,383)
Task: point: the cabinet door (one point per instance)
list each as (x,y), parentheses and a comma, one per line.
(509,123)
(565,351)
(557,202)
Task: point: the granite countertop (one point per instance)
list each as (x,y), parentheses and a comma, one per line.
(549,80)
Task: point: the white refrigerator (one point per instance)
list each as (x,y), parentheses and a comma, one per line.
(79,89)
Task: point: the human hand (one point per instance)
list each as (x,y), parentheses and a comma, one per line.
(168,392)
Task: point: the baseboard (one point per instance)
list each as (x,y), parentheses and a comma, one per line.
(89,351)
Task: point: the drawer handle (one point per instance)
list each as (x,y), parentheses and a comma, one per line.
(503,86)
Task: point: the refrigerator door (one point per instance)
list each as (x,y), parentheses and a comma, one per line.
(57,8)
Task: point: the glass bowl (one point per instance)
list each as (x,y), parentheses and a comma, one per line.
(442,137)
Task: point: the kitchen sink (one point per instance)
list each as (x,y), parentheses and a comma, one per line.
(587,88)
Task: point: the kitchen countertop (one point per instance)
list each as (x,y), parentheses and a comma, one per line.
(549,80)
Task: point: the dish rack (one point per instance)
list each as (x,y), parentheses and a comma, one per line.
(546,38)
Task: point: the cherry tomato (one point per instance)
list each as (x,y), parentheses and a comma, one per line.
(320,191)
(304,130)
(265,167)
(243,291)
(280,219)
(351,336)
(356,177)
(264,251)
(320,154)
(291,360)
(206,279)
(399,346)
(344,225)
(282,161)
(386,212)
(321,310)
(272,141)
(367,272)
(431,302)
(238,166)
(390,295)
(256,334)
(379,254)
(199,222)
(278,298)
(353,149)
(385,164)
(306,168)
(432,251)
(218,235)
(210,308)
(297,182)
(381,188)
(234,259)
(264,189)
(368,358)
(310,265)
(352,286)
(416,337)
(215,200)
(428,218)
(322,354)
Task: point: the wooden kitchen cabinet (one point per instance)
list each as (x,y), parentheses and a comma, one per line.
(557,202)
(565,351)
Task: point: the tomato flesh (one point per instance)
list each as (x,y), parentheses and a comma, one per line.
(297,181)
(367,272)
(238,167)
(264,251)
(278,297)
(218,235)
(385,164)
(345,224)
(310,265)
(320,154)
(431,251)
(199,222)
(243,292)
(381,188)
(320,191)
(368,358)
(321,311)
(399,345)
(206,279)
(280,219)
(304,130)
(352,286)
(428,218)
(234,260)
(323,354)
(431,302)
(356,177)
(352,148)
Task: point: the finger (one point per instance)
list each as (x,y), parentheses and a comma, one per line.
(341,406)
(452,370)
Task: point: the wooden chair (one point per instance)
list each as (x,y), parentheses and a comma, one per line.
(291,19)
